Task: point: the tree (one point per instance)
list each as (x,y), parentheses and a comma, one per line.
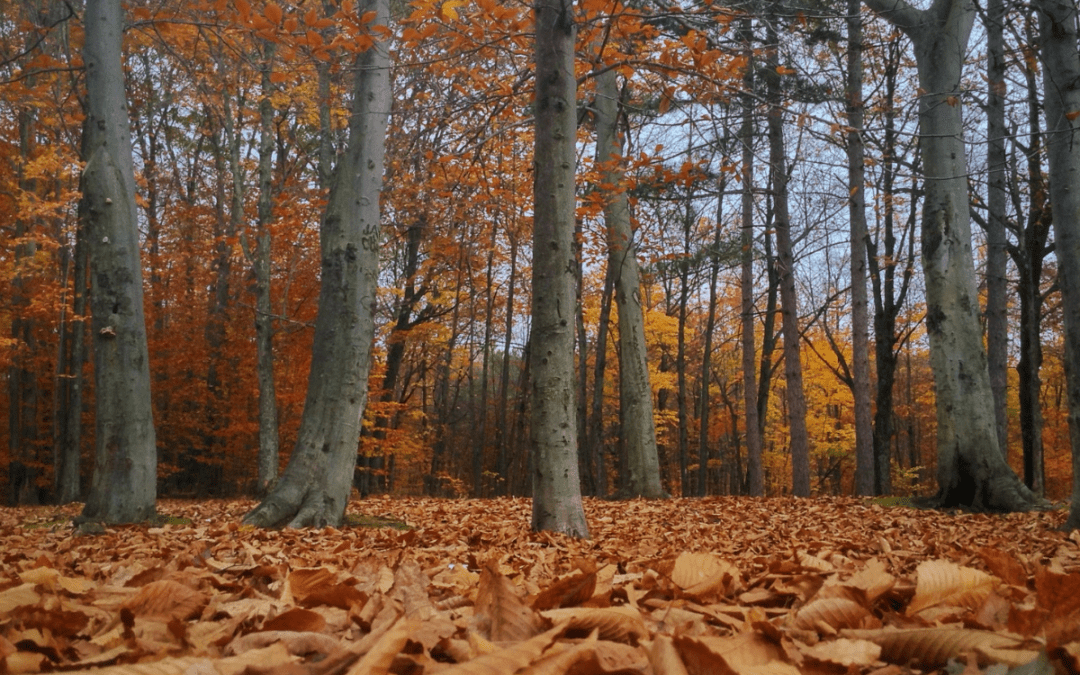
(971,469)
(314,490)
(557,502)
(778,172)
(124,486)
(635,394)
(860,341)
(755,472)
(1061,74)
(997,333)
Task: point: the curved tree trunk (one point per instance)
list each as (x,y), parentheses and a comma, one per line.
(1061,74)
(124,486)
(557,502)
(971,469)
(314,490)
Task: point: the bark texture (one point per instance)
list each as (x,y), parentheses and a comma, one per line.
(789,314)
(860,337)
(635,393)
(755,477)
(557,502)
(1061,77)
(997,328)
(124,485)
(971,469)
(314,489)
(269,439)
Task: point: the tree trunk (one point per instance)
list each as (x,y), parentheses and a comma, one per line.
(269,437)
(971,469)
(636,424)
(860,338)
(755,473)
(883,259)
(314,490)
(502,438)
(997,328)
(1028,254)
(557,502)
(597,438)
(69,439)
(1061,75)
(124,486)
(796,398)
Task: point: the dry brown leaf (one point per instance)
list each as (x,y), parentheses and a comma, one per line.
(844,652)
(508,660)
(939,582)
(1004,566)
(621,624)
(933,647)
(664,658)
(167,599)
(378,659)
(296,619)
(705,575)
(501,616)
(829,615)
(742,654)
(19,596)
(566,592)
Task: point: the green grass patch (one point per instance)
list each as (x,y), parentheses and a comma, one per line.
(52,522)
(364,520)
(891,501)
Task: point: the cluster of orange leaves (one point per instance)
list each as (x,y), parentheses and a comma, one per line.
(730,586)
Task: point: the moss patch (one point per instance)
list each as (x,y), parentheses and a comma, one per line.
(364,520)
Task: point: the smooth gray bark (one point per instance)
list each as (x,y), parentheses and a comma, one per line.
(557,502)
(269,437)
(635,394)
(860,334)
(799,442)
(971,469)
(124,486)
(1061,77)
(314,489)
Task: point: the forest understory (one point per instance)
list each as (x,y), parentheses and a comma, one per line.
(730,586)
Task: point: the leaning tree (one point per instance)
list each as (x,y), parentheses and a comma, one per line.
(314,489)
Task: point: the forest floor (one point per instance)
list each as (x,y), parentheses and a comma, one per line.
(725,586)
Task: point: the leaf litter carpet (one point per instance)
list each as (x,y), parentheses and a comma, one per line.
(725,586)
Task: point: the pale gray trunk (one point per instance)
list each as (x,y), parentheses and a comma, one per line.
(635,394)
(860,337)
(556,488)
(314,489)
(754,468)
(1061,75)
(269,438)
(799,442)
(124,486)
(997,328)
(971,469)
